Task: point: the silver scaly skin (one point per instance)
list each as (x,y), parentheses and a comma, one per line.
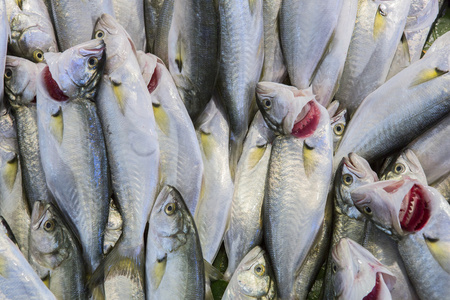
(152,10)
(4,35)
(187,41)
(17,278)
(20,87)
(245,229)
(72,145)
(130,14)
(174,263)
(378,28)
(181,164)
(406,164)
(298,179)
(443,186)
(54,247)
(113,229)
(253,278)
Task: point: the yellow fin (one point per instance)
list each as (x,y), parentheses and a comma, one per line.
(427,75)
(208,144)
(10,172)
(440,251)
(161,118)
(255,155)
(46,281)
(379,23)
(158,272)
(57,125)
(180,54)
(310,159)
(118,92)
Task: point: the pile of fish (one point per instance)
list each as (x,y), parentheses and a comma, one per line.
(310,138)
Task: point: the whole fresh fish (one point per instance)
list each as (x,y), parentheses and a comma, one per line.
(17,278)
(126,114)
(113,229)
(241,60)
(382,124)
(20,87)
(273,67)
(32,31)
(174,263)
(55,247)
(306,30)
(213,208)
(245,229)
(406,164)
(418,217)
(329,72)
(72,145)
(130,14)
(13,203)
(357,274)
(181,164)
(297,181)
(338,122)
(253,278)
(152,10)
(4,35)
(187,41)
(378,28)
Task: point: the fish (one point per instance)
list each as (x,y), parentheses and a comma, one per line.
(130,14)
(406,164)
(181,164)
(443,186)
(378,28)
(357,274)
(20,87)
(4,36)
(72,145)
(55,247)
(375,130)
(17,278)
(328,74)
(253,278)
(32,32)
(13,203)
(187,41)
(152,10)
(245,229)
(113,229)
(306,29)
(125,110)
(174,262)
(338,122)
(298,179)
(241,60)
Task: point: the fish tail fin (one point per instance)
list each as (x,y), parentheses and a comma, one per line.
(236,145)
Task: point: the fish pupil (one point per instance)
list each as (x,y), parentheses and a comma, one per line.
(268,103)
(368,209)
(8,73)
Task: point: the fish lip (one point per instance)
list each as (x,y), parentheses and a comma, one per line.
(418,200)
(307,121)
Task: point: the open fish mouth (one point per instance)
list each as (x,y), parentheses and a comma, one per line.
(375,293)
(307,121)
(415,210)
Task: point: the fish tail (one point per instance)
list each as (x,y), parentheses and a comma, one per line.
(236,145)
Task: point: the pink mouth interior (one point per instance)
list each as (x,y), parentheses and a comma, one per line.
(306,126)
(373,295)
(414,212)
(52,87)
(154,81)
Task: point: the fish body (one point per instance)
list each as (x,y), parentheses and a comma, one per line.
(130,14)
(4,35)
(443,186)
(152,10)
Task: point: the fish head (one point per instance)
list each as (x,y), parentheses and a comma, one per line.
(398,207)
(254,275)
(356,273)
(20,81)
(354,171)
(49,243)
(338,123)
(170,222)
(152,69)
(32,36)
(77,70)
(406,164)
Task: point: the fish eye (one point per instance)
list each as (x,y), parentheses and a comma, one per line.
(339,129)
(382,10)
(8,74)
(38,55)
(170,209)
(334,268)
(367,210)
(92,62)
(267,103)
(399,168)
(49,225)
(348,179)
(259,270)
(99,34)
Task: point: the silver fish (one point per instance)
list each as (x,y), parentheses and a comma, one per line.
(72,145)
(181,164)
(253,278)
(4,35)
(298,178)
(406,164)
(130,14)
(245,229)
(152,10)
(55,247)
(338,123)
(20,86)
(174,263)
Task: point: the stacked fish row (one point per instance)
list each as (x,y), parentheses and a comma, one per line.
(123,172)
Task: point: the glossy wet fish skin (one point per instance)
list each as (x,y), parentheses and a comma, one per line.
(181,164)
(18,279)
(152,10)
(443,186)
(4,33)
(253,278)
(72,145)
(245,229)
(21,93)
(378,29)
(13,203)
(55,247)
(174,262)
(113,229)
(130,14)
(406,164)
